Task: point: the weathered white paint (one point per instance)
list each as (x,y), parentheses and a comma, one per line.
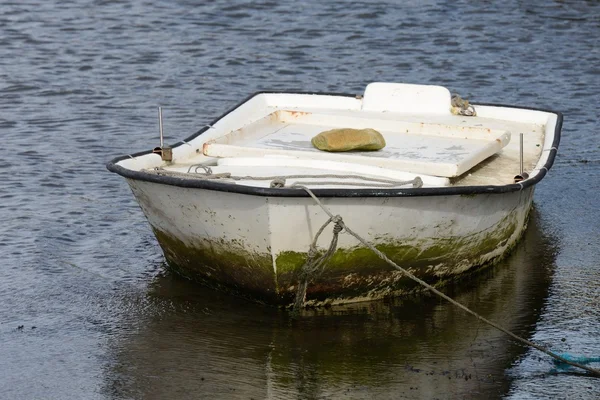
(537,126)
(190,215)
(381,219)
(401,97)
(257,226)
(265,230)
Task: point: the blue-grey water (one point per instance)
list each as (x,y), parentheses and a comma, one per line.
(87,310)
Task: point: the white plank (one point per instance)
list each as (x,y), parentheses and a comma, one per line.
(444,169)
(277,162)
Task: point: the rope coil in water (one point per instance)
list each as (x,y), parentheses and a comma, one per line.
(339,223)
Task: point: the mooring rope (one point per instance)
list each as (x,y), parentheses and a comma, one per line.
(313,265)
(462,107)
(339,225)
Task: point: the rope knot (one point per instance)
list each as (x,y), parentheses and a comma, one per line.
(277,183)
(338,227)
(312,252)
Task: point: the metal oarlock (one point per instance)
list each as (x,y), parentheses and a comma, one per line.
(522,174)
(166,153)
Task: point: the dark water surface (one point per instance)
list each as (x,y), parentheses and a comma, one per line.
(86,309)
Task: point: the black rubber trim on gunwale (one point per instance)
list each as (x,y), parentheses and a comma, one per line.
(287,192)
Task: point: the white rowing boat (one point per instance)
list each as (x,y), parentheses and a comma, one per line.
(450,191)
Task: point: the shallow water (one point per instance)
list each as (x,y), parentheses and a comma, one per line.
(86,309)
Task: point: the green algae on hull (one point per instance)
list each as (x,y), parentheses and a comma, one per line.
(353,274)
(359,274)
(222,265)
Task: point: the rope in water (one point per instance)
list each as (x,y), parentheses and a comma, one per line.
(311,265)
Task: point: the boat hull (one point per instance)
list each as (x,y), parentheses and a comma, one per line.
(255,246)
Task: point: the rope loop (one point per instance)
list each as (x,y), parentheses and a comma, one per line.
(315,263)
(207,170)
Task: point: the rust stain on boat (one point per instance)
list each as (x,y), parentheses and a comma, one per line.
(205,148)
(275,116)
(298,114)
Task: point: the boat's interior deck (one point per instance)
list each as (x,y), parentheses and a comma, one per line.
(443,149)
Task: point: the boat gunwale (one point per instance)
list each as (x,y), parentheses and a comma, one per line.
(113,166)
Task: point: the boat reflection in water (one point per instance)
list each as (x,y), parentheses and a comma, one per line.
(192,342)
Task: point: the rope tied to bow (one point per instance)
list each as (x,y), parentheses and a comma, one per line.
(462,107)
(314,264)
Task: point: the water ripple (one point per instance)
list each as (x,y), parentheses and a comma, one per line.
(79,83)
